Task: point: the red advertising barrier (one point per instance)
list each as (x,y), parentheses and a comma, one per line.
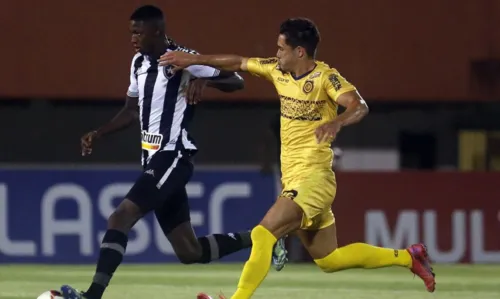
(390,49)
(457,215)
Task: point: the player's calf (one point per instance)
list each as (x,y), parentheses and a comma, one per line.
(216,246)
(284,217)
(190,255)
(190,249)
(113,247)
(209,248)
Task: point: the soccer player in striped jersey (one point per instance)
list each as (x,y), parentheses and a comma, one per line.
(167,149)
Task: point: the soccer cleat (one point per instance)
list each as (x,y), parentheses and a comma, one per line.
(421,265)
(69,292)
(279,254)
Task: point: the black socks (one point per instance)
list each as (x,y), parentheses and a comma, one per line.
(111,254)
(217,246)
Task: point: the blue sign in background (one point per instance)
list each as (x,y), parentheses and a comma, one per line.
(60,215)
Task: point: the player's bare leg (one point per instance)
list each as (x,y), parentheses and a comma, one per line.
(190,249)
(113,248)
(284,217)
(175,221)
(319,243)
(322,246)
(174,218)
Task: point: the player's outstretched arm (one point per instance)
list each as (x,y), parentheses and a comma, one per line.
(226,82)
(231,63)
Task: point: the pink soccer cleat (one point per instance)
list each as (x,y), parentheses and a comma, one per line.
(421,265)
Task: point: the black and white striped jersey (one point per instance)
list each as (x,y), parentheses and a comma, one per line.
(164,113)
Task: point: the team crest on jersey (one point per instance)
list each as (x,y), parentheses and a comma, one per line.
(168,71)
(291,194)
(308,86)
(151,141)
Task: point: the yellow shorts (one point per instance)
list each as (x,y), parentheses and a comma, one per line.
(315,196)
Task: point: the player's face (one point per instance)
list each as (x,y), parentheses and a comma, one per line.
(142,36)
(287,56)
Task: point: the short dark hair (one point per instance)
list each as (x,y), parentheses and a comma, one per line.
(147,13)
(301,32)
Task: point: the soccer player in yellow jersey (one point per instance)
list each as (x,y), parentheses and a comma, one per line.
(310,92)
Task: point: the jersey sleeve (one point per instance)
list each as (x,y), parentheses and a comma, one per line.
(199,71)
(202,71)
(262,67)
(336,85)
(133,89)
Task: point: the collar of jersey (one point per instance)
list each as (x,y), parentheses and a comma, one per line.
(305,74)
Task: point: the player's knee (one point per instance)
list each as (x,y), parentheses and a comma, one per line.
(118,220)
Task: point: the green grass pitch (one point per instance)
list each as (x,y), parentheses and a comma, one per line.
(294,282)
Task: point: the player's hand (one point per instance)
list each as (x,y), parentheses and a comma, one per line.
(328,131)
(195,90)
(86,142)
(178,59)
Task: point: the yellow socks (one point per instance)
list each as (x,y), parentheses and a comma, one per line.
(359,255)
(258,264)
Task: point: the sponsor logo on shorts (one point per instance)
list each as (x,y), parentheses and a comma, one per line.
(291,194)
(150,141)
